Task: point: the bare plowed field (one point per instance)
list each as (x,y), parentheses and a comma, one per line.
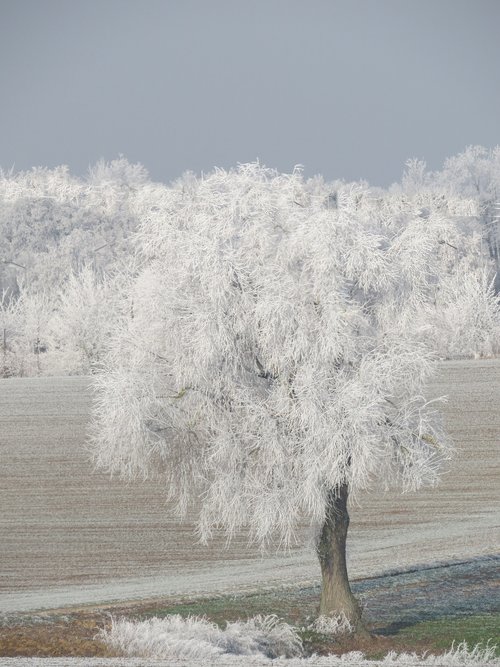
(69,535)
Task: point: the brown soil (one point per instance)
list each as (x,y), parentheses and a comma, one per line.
(55,637)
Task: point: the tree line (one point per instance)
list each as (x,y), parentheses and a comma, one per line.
(68,251)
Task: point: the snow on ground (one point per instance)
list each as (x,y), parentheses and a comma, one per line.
(70,536)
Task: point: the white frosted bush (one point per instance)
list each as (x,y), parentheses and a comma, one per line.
(197,638)
(457,655)
(260,641)
(332,625)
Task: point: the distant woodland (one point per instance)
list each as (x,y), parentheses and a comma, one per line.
(68,252)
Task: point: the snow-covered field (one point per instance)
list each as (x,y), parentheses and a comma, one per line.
(69,535)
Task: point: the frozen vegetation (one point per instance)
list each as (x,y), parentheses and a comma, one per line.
(195,638)
(261,341)
(276,348)
(459,656)
(197,641)
(67,252)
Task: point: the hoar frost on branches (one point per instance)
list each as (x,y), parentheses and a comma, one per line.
(194,638)
(61,332)
(55,229)
(275,362)
(266,639)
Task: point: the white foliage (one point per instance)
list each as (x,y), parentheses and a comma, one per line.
(10,332)
(195,638)
(261,640)
(26,335)
(459,655)
(87,310)
(61,333)
(332,625)
(53,224)
(275,351)
(466,317)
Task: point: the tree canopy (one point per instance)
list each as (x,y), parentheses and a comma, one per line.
(277,349)
(57,229)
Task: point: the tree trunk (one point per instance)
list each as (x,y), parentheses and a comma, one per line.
(336,594)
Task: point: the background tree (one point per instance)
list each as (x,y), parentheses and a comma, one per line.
(10,331)
(56,228)
(26,336)
(274,363)
(54,224)
(85,314)
(472,175)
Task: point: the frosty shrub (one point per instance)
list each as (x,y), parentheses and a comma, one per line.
(462,655)
(195,638)
(332,625)
(459,656)
(259,641)
(64,332)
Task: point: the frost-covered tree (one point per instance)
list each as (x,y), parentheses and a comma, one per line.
(53,224)
(86,310)
(472,175)
(273,363)
(466,316)
(25,329)
(10,327)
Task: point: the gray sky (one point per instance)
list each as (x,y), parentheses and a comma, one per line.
(348,88)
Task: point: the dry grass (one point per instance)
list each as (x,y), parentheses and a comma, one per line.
(55,638)
(72,633)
